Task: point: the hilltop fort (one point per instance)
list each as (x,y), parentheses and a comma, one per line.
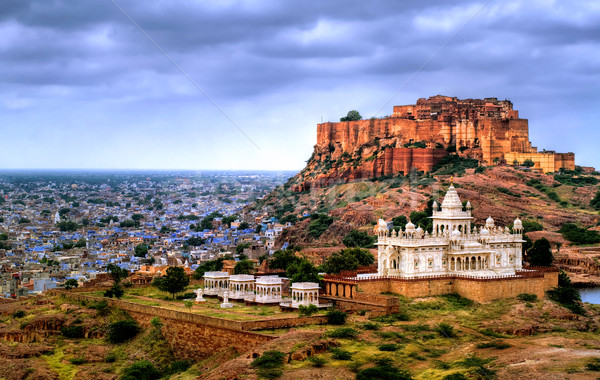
(420,135)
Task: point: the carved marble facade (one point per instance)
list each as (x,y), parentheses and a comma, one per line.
(454,246)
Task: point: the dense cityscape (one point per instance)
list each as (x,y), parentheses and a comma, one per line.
(56,226)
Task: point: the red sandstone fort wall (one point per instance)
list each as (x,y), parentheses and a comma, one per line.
(480,290)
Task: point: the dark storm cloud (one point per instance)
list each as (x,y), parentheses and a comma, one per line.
(75,54)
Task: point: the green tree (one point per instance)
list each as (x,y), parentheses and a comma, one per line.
(528,163)
(283,259)
(352,115)
(541,253)
(240,248)
(115,291)
(67,226)
(188,304)
(174,281)
(81,243)
(244,267)
(122,331)
(117,273)
(356,238)
(140,370)
(195,241)
(347,259)
(243,226)
(208,266)
(290,218)
(302,271)
(71,283)
(137,217)
(141,250)
(595,202)
(400,222)
(319,224)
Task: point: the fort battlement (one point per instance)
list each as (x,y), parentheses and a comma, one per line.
(419,135)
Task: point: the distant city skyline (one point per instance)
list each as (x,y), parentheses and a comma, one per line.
(85,87)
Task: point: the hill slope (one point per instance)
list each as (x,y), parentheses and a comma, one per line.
(502,192)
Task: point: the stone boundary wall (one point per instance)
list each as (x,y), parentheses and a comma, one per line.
(477,289)
(191,336)
(281,323)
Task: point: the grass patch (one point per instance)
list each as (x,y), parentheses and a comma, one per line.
(344,333)
(388,347)
(63,370)
(498,345)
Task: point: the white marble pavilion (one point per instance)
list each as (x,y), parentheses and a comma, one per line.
(268,289)
(304,293)
(241,286)
(215,283)
(453,248)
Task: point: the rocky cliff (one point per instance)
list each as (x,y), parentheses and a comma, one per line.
(419,136)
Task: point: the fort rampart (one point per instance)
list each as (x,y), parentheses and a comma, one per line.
(475,288)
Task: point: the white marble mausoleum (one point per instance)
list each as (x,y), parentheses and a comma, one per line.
(454,247)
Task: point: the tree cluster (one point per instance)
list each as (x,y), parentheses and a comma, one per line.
(356,238)
(348,259)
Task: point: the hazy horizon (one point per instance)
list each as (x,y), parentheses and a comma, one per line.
(241,85)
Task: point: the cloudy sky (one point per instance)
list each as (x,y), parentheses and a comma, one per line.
(242,84)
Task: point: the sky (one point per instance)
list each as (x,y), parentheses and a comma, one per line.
(224,84)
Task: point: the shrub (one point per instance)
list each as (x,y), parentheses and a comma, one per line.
(111,358)
(269,359)
(122,331)
(319,224)
(356,238)
(340,354)
(317,361)
(336,317)
(384,370)
(308,310)
(541,253)
(388,347)
(18,314)
(77,361)
(492,333)
(527,297)
(593,365)
(391,335)
(455,376)
(416,328)
(178,367)
(579,235)
(101,307)
(115,291)
(391,318)
(156,322)
(344,333)
(568,297)
(140,370)
(370,326)
(445,330)
(72,331)
(480,170)
(498,345)
(458,302)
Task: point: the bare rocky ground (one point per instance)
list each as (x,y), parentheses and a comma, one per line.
(503,339)
(502,192)
(508,339)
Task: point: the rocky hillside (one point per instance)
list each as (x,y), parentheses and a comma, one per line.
(502,192)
